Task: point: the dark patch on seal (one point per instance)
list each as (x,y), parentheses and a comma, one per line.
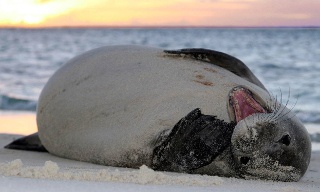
(201,79)
(210,70)
(199,76)
(206,83)
(195,141)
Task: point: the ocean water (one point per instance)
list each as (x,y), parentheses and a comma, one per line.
(286,60)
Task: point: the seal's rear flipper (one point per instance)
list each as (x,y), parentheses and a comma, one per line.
(30,143)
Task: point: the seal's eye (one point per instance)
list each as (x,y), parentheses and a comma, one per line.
(244,160)
(285,140)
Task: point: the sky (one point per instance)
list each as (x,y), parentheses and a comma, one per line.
(122,13)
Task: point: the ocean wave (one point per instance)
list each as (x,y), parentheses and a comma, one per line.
(315,137)
(309,116)
(17,104)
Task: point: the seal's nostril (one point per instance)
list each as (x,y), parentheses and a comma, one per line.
(244,160)
(286,139)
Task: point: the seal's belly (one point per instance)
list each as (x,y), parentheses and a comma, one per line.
(108,105)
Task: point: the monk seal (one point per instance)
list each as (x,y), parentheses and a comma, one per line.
(189,110)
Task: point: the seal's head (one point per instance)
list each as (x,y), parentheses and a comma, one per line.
(268,142)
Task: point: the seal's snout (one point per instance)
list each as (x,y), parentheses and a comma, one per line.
(282,151)
(243,103)
(280,145)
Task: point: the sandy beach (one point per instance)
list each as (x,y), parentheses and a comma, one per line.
(35,171)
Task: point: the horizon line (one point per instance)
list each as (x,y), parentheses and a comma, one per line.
(153,26)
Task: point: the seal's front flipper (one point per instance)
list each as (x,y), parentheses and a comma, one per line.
(30,143)
(220,59)
(195,141)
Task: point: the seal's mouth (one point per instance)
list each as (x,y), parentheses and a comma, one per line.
(243,103)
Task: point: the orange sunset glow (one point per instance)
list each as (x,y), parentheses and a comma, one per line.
(57,13)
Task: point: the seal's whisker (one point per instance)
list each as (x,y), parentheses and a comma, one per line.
(289,118)
(280,115)
(278,112)
(286,102)
(274,106)
(278,107)
(270,102)
(275,103)
(290,108)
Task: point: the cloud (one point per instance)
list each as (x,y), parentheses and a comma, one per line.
(155,12)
